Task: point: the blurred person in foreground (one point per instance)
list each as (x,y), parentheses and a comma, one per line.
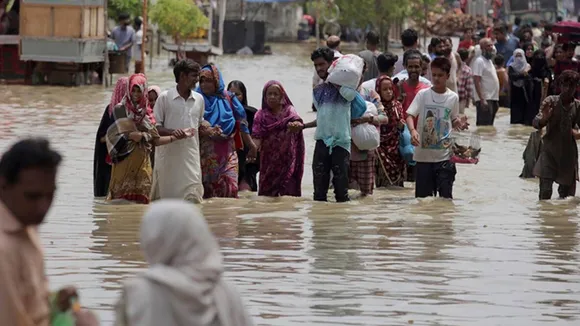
(27,186)
(184,283)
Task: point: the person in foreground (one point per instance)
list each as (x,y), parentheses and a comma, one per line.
(27,186)
(437,111)
(179,112)
(130,141)
(184,283)
(281,144)
(219,159)
(558,160)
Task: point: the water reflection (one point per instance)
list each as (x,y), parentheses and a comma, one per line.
(493,256)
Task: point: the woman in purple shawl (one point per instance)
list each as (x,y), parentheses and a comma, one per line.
(281,150)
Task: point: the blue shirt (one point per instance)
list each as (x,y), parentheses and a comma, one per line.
(333,118)
(507,48)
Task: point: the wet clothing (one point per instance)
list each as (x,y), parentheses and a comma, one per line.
(282,159)
(390,164)
(101,162)
(24,299)
(219,159)
(486,116)
(325,161)
(558,161)
(531,154)
(520,97)
(434,179)
(248,171)
(363,173)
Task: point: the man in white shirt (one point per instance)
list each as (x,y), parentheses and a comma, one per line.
(179,112)
(485,85)
(138,45)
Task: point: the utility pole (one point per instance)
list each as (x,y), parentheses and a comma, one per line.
(144,38)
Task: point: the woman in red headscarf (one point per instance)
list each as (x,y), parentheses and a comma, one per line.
(129,143)
(275,131)
(391,166)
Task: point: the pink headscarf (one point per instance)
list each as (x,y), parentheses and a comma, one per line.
(155,89)
(141,108)
(121,89)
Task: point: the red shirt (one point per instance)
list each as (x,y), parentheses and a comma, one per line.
(466,44)
(410,93)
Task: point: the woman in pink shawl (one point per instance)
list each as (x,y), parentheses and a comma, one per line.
(282,150)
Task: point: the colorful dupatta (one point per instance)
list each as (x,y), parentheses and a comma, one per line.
(130,117)
(222,108)
(391,165)
(282,151)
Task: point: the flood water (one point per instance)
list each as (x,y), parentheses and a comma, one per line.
(492,256)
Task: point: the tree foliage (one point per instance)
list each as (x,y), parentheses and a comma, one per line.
(132,7)
(179,18)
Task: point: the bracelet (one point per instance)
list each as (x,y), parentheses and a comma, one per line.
(171,138)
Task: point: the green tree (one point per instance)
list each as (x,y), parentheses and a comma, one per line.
(378,14)
(132,7)
(179,18)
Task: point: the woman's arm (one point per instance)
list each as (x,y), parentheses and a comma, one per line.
(258,143)
(163,140)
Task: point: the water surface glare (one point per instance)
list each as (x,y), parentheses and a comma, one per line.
(493,256)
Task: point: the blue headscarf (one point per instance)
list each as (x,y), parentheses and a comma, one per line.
(222,108)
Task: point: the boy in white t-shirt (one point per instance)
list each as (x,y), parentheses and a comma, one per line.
(437,111)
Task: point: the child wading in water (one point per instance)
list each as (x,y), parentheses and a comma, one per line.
(558,160)
(437,111)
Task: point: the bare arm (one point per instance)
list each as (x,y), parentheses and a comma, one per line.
(163,140)
(411,122)
(164,131)
(311,124)
(258,143)
(477,85)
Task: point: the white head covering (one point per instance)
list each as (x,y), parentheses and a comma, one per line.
(519,64)
(184,284)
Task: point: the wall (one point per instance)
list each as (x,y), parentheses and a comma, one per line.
(281,18)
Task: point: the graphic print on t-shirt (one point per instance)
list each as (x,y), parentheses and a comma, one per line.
(436,128)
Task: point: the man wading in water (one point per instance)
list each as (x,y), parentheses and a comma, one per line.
(558,160)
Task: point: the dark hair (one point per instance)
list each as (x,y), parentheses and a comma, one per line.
(518,21)
(409,37)
(123,16)
(242,89)
(500,28)
(447,38)
(548,27)
(137,21)
(325,53)
(373,38)
(185,66)
(386,61)
(442,63)
(436,41)
(534,24)
(499,60)
(526,45)
(333,45)
(559,18)
(26,154)
(426,58)
(569,78)
(463,54)
(412,54)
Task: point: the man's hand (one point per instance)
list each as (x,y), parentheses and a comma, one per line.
(295,126)
(414,137)
(64,297)
(484,105)
(179,134)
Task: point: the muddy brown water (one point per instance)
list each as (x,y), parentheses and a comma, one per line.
(492,256)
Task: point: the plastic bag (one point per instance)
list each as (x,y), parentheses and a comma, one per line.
(465,148)
(406,149)
(346,71)
(366,136)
